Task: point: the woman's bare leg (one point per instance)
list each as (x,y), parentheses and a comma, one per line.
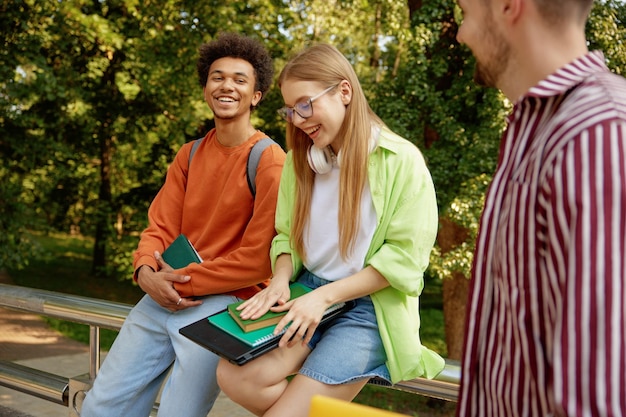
(260,383)
(295,400)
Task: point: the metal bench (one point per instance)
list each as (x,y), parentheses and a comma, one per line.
(98,314)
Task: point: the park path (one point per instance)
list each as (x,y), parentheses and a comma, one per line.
(26,339)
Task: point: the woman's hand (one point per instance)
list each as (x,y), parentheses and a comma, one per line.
(305,314)
(273,297)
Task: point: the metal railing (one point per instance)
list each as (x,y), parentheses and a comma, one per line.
(98,314)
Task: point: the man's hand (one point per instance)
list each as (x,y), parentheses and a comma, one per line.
(160,286)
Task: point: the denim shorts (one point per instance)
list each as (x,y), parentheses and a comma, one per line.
(347,349)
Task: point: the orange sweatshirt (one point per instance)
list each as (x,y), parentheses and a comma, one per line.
(213,206)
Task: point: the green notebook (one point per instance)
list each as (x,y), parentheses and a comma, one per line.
(181,253)
(269,318)
(253,338)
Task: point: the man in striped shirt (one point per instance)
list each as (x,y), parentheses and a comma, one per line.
(546,322)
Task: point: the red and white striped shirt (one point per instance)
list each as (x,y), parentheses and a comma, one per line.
(546,322)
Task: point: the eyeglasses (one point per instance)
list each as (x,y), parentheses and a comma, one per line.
(304,109)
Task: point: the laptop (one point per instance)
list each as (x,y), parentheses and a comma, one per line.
(220,342)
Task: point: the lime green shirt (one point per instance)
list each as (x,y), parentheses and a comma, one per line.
(406,209)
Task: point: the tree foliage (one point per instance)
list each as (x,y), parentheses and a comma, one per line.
(97,96)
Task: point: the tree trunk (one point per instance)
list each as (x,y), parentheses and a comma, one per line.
(103,211)
(455,290)
(454,302)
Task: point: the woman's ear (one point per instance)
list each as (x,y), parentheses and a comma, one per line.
(345,89)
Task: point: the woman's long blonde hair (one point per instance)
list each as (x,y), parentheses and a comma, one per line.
(325,64)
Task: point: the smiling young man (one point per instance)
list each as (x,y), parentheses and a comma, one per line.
(209,201)
(546,325)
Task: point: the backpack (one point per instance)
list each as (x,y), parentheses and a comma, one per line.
(253,159)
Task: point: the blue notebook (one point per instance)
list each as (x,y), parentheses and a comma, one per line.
(220,334)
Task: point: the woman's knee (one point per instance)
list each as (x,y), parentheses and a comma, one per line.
(224,375)
(235,380)
(240,381)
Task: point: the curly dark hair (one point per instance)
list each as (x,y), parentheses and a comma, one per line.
(233,45)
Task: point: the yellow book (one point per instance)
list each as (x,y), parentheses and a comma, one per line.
(331,407)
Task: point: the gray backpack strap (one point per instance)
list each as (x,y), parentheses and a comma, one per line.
(253,161)
(194,148)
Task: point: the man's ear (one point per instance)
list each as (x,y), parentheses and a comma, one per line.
(511,10)
(256,98)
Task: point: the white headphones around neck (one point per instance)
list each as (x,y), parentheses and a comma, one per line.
(322,160)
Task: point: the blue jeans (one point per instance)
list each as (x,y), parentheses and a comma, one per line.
(147,346)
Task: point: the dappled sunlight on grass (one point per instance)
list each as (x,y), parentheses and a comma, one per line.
(74,255)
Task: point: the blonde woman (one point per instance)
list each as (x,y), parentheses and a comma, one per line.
(356,220)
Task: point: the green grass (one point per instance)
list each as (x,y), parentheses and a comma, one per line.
(65,267)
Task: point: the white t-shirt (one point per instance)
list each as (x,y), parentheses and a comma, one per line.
(321,237)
